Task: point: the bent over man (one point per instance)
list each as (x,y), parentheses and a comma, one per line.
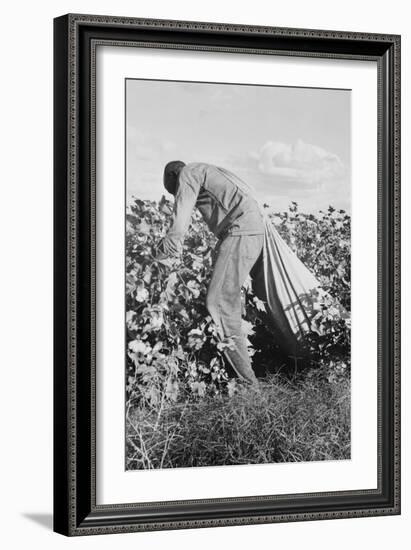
(235,219)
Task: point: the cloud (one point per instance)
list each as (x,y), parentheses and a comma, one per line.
(146,147)
(303,164)
(222,99)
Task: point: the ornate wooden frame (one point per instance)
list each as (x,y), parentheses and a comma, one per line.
(75,41)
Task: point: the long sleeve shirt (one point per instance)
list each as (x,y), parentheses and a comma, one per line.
(223,199)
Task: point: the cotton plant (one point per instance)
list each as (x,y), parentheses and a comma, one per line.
(174,350)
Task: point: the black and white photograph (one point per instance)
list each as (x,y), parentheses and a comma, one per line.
(203,263)
(237,274)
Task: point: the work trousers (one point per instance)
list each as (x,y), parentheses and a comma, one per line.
(235,257)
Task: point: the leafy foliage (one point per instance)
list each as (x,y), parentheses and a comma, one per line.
(174,354)
(323,244)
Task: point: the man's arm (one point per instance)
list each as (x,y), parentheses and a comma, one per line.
(184,202)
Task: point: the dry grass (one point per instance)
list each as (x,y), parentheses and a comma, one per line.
(305,419)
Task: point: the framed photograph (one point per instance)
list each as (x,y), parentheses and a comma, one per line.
(227,274)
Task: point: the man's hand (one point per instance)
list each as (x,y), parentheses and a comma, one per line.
(159,254)
(165,263)
(163,260)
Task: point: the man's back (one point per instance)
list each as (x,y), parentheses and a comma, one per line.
(223,199)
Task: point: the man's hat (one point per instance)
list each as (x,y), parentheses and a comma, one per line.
(171,173)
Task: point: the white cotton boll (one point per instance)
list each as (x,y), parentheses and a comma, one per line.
(137,346)
(141,294)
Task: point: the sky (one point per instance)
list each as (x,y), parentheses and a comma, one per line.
(289,144)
